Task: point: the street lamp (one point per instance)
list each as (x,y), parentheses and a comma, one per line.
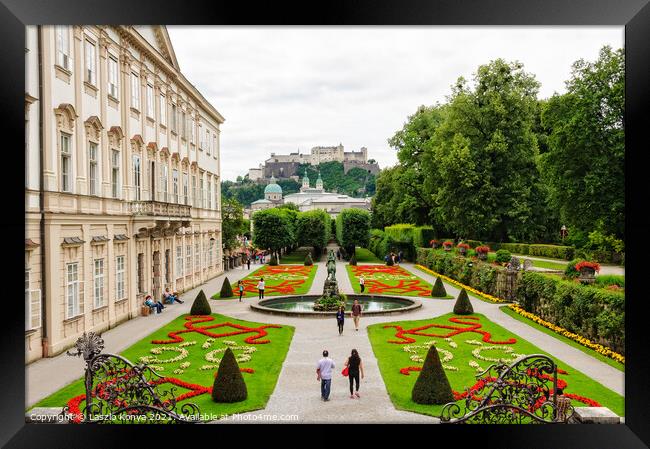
(563,232)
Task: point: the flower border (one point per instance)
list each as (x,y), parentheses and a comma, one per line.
(466,287)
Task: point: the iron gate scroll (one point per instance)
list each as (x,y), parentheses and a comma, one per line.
(117,391)
(521,393)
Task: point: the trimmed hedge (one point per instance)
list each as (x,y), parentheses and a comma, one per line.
(432,385)
(438,289)
(229,385)
(477,274)
(226,289)
(422,235)
(595,313)
(463,306)
(200,306)
(554,251)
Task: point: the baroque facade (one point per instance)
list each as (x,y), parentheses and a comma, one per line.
(122,189)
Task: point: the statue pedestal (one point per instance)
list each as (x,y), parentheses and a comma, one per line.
(331,288)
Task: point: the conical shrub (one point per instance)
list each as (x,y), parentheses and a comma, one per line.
(438,290)
(353,259)
(463,305)
(432,385)
(226,289)
(308,260)
(229,385)
(200,306)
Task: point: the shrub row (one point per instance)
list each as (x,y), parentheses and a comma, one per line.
(479,275)
(594,313)
(400,237)
(526,249)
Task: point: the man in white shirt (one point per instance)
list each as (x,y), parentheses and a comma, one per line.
(324,369)
(260,288)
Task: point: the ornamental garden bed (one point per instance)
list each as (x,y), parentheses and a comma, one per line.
(279,280)
(196,345)
(388,280)
(466,344)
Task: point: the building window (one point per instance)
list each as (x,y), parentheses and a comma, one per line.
(135,91)
(209,194)
(207,142)
(163,109)
(66,163)
(140,272)
(183,125)
(192,130)
(119,278)
(98,283)
(200,137)
(168,269)
(92,169)
(214,145)
(188,259)
(194,199)
(186,193)
(198,257)
(179,261)
(115,173)
(163,180)
(63,47)
(173,117)
(175,185)
(112,78)
(150,109)
(136,177)
(201,202)
(91,71)
(72,290)
(210,246)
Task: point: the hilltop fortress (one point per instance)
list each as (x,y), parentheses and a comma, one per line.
(286,165)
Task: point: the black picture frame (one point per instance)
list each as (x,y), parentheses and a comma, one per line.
(633,14)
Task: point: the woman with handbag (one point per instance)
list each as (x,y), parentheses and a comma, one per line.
(354,367)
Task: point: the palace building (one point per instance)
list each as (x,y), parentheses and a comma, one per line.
(122,189)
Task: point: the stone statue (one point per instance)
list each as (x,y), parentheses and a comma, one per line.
(331,266)
(331,299)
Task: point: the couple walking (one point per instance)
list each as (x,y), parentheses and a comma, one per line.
(356,314)
(353,367)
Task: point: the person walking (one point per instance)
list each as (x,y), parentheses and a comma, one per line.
(338,254)
(248,262)
(400,256)
(355,367)
(340,319)
(240,287)
(260,288)
(356,313)
(324,369)
(362,283)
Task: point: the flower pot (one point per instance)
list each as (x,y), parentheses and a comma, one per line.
(482,256)
(447,248)
(462,251)
(587,275)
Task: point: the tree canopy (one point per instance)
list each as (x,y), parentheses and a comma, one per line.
(353,229)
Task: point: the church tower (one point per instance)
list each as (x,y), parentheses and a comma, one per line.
(319,182)
(305,182)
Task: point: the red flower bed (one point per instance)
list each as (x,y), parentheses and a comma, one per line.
(584,264)
(455,330)
(448,243)
(397,287)
(462,246)
(482,249)
(192,320)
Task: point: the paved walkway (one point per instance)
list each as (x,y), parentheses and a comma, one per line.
(297,391)
(604,269)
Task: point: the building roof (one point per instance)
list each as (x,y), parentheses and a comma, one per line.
(262,201)
(273,188)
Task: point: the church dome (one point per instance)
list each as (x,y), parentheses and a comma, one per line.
(272,187)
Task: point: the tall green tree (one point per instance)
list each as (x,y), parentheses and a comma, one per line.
(584,166)
(273,229)
(353,229)
(232,222)
(313,228)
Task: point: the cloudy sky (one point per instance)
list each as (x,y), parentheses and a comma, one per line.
(284,89)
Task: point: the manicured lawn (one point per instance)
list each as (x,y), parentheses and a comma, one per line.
(279,280)
(296,256)
(549,264)
(392,357)
(385,280)
(266,361)
(366,256)
(563,339)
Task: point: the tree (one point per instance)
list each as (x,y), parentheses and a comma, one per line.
(232,222)
(226,289)
(273,229)
(432,385)
(585,162)
(313,229)
(353,229)
(438,290)
(229,385)
(200,306)
(463,305)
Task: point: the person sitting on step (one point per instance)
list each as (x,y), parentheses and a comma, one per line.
(157,305)
(171,297)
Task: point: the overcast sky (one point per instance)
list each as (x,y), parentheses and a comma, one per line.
(284,89)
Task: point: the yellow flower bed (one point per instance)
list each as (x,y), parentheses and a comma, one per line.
(466,287)
(604,350)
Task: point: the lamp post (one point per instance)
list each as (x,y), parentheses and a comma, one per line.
(563,232)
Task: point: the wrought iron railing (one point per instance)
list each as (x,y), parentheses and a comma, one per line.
(157,208)
(524,392)
(117,391)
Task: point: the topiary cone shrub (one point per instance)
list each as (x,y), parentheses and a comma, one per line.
(226,289)
(463,305)
(353,259)
(438,290)
(200,306)
(229,385)
(432,386)
(308,260)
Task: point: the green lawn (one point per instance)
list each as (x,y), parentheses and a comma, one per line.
(278,280)
(392,357)
(619,366)
(364,255)
(385,280)
(549,265)
(266,361)
(296,256)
